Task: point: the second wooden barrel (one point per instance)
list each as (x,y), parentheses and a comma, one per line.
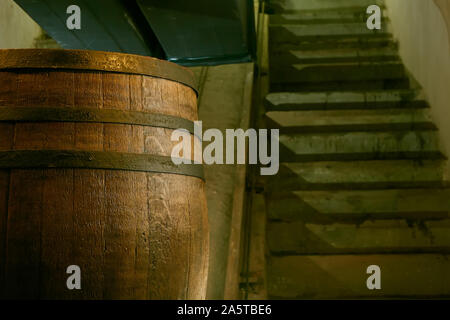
(86,178)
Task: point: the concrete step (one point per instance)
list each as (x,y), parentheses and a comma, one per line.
(357,175)
(345,276)
(339,55)
(349,120)
(351,15)
(368,85)
(281,6)
(321,43)
(337,72)
(370,237)
(421,144)
(338,32)
(358,205)
(289,101)
(286,101)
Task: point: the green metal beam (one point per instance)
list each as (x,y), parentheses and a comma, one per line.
(106,25)
(203,32)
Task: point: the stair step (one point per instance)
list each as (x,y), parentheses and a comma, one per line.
(382,236)
(292,5)
(358,205)
(286,101)
(349,120)
(368,85)
(345,276)
(382,41)
(359,146)
(357,175)
(338,72)
(332,32)
(291,57)
(352,15)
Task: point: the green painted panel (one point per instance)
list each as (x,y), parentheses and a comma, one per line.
(203,32)
(106,25)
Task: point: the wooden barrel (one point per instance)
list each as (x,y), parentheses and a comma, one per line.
(87,180)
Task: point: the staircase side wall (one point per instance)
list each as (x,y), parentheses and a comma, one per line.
(224,104)
(423,30)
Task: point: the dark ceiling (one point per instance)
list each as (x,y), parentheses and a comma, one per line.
(195,32)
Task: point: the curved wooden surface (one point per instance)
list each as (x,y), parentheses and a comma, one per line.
(134,234)
(95,61)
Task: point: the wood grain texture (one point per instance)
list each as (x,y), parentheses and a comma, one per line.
(135,235)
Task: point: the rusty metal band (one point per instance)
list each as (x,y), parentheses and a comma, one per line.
(51,159)
(51,114)
(90,60)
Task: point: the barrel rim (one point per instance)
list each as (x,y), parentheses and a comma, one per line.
(92,60)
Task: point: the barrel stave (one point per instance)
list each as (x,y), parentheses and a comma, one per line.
(135,235)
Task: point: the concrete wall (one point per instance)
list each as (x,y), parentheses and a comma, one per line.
(17,29)
(444,6)
(424,39)
(223,103)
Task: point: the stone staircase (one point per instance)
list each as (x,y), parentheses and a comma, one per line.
(361,173)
